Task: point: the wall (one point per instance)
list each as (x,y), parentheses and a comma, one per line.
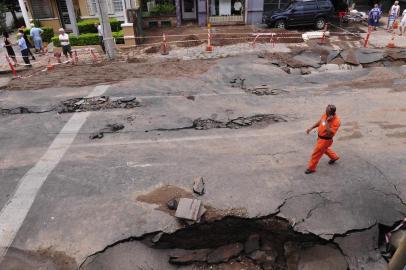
(10,20)
(54,23)
(84,12)
(254,11)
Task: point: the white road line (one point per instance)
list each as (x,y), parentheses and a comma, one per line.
(15,210)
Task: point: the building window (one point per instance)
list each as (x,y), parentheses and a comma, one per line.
(41,9)
(92,7)
(117,5)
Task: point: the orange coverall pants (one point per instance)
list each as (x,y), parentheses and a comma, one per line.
(322,147)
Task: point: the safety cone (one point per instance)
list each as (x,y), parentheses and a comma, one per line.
(13,70)
(93,55)
(50,66)
(209,47)
(323,37)
(391,43)
(75,57)
(367,37)
(164,46)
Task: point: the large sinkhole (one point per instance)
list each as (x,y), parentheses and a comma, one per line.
(262,243)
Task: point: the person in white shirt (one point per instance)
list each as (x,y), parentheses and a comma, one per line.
(64,40)
(100,33)
(402,27)
(393,15)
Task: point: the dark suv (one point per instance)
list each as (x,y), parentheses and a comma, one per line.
(305,12)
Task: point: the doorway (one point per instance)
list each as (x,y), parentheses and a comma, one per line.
(189,9)
(64,15)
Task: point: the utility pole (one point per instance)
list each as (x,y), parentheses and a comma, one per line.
(107,34)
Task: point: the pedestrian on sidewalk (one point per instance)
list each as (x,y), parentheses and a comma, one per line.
(64,40)
(327,127)
(9,47)
(23,49)
(100,33)
(28,42)
(35,34)
(402,27)
(373,17)
(393,15)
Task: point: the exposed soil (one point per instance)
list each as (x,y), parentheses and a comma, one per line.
(190,41)
(162,195)
(41,259)
(82,75)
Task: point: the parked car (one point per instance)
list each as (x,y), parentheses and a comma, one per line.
(302,12)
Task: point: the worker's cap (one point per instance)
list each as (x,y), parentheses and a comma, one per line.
(396,2)
(32,25)
(61,30)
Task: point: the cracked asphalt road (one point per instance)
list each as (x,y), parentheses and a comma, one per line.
(89,200)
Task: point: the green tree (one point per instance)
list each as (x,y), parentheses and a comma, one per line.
(11,6)
(3,22)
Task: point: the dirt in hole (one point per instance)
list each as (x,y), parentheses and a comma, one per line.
(25,110)
(108,72)
(190,41)
(258,243)
(48,259)
(97,104)
(265,90)
(162,195)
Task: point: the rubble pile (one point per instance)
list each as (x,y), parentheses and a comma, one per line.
(318,57)
(97,104)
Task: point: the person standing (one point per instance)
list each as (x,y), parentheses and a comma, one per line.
(35,34)
(24,49)
(374,16)
(393,15)
(327,127)
(9,47)
(100,33)
(28,42)
(64,40)
(402,27)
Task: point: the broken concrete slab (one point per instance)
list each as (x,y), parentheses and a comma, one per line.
(307,61)
(356,56)
(224,253)
(96,104)
(188,209)
(321,258)
(199,186)
(184,257)
(361,249)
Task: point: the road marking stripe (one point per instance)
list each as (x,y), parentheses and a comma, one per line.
(16,209)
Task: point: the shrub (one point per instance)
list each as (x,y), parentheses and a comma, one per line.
(88,39)
(46,36)
(163,9)
(87,26)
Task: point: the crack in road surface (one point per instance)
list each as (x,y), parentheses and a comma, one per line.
(258,120)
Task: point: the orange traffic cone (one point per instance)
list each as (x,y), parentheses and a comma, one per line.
(391,43)
(50,66)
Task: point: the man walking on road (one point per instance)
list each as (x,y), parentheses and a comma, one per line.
(327,127)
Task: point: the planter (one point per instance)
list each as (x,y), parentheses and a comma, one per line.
(159,21)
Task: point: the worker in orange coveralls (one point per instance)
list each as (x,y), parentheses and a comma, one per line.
(327,127)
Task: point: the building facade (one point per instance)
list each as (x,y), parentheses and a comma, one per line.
(223,12)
